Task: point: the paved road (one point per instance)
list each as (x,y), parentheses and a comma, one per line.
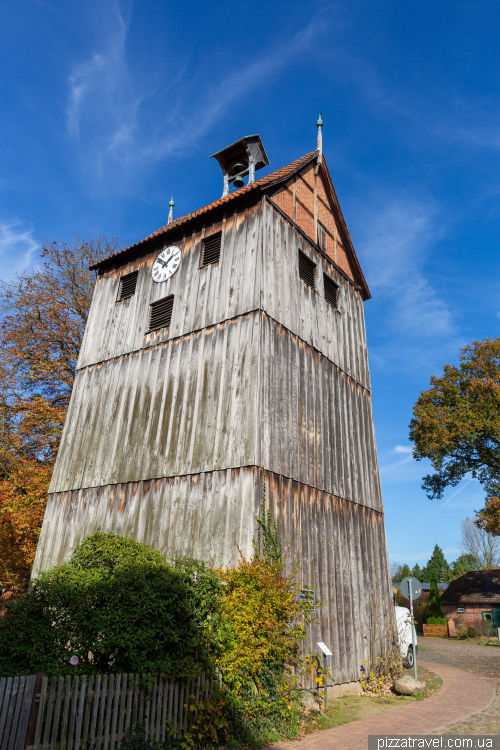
(468,703)
(481,660)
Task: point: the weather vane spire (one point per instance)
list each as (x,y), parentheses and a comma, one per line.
(319,124)
(171,212)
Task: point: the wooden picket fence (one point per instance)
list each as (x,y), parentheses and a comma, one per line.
(92,712)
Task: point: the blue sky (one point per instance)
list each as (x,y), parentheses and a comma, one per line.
(108,108)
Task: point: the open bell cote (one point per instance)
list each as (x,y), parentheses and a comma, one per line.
(240,159)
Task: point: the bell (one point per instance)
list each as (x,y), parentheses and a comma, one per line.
(237,168)
(238,181)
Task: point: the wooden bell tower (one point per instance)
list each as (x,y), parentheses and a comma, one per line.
(230,339)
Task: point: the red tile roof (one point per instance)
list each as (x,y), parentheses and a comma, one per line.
(264,182)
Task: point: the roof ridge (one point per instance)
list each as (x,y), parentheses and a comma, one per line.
(263,181)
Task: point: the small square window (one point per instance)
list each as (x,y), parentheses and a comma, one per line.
(461,610)
(307,270)
(487,616)
(128,284)
(211,249)
(331,291)
(161,314)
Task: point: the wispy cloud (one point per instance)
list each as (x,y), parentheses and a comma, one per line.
(117,120)
(414,319)
(399,450)
(17,246)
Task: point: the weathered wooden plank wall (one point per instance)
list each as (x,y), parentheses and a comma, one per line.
(341,547)
(202,296)
(338,334)
(186,406)
(316,422)
(208,516)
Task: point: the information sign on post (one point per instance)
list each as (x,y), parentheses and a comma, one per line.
(411,589)
(326,652)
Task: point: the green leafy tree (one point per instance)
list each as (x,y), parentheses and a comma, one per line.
(435,611)
(463,564)
(437,568)
(417,572)
(456,424)
(405,572)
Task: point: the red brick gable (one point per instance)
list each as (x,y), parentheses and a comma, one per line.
(307,193)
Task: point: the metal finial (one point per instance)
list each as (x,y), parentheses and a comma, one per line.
(171,212)
(320,124)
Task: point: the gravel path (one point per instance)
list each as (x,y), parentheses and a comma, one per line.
(483,660)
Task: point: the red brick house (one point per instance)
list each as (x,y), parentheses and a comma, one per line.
(473,599)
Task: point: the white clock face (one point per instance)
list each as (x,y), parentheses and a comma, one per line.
(166,264)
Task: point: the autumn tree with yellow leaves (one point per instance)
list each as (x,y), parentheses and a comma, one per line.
(43,316)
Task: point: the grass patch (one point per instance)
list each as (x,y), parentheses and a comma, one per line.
(353,708)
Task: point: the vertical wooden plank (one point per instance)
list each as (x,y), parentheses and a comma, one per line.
(152,709)
(9,712)
(72,713)
(29,713)
(57,712)
(122,708)
(176,704)
(5,705)
(88,710)
(136,702)
(147,710)
(41,711)
(50,711)
(79,712)
(140,715)
(165,697)
(65,716)
(95,711)
(159,704)
(102,711)
(187,692)
(116,706)
(130,695)
(17,711)
(109,708)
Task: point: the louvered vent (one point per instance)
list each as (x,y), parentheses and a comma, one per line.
(161,314)
(128,284)
(322,237)
(331,291)
(211,249)
(307,270)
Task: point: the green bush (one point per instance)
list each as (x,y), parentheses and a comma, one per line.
(436,621)
(471,632)
(119,607)
(461,632)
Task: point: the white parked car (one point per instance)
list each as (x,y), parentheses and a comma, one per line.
(404,626)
